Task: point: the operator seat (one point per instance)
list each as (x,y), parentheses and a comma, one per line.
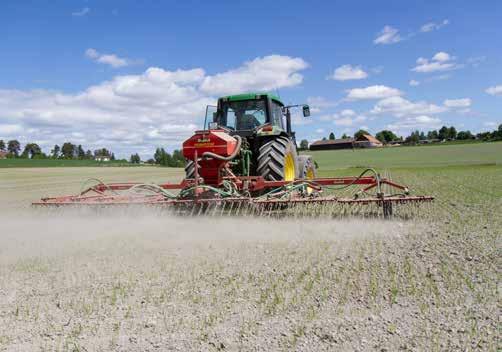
(247,122)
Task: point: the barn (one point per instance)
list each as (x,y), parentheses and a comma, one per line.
(344,143)
(367,141)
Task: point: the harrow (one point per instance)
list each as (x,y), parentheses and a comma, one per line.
(252,195)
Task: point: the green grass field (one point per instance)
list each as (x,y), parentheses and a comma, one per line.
(10,163)
(410,157)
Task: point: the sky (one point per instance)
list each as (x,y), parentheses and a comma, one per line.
(135,75)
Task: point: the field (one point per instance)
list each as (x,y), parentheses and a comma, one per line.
(74,281)
(13,163)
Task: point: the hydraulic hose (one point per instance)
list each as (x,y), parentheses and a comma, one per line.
(226,158)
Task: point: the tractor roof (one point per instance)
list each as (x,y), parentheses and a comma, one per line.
(251,96)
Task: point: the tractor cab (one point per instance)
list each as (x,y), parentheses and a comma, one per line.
(247,114)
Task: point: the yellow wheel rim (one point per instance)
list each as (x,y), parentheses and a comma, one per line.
(289,167)
(309,176)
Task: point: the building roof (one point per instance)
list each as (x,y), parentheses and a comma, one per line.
(369,138)
(334,141)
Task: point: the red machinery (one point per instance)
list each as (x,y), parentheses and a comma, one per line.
(215,188)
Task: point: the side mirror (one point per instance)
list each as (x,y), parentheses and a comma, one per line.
(306,111)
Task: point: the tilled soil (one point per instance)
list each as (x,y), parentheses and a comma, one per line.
(140,281)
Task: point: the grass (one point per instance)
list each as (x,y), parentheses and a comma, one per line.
(410,157)
(16,163)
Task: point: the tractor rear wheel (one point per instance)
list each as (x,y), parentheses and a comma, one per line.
(278,160)
(306,167)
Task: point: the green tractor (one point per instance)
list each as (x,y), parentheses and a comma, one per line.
(268,147)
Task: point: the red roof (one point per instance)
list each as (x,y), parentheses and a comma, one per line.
(369,138)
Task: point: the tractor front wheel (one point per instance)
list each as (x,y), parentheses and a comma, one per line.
(278,160)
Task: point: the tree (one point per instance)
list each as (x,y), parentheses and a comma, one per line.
(135,159)
(80,152)
(464,135)
(386,136)
(324,139)
(432,135)
(31,150)
(68,150)
(103,152)
(88,155)
(360,133)
(304,144)
(422,136)
(13,147)
(112,157)
(345,136)
(331,136)
(55,151)
(2,145)
(414,138)
(452,133)
(443,133)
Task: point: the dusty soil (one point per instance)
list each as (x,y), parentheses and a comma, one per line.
(136,280)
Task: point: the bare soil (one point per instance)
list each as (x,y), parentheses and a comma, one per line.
(134,280)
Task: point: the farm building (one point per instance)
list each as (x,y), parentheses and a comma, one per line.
(3,155)
(364,141)
(102,158)
(344,143)
(367,141)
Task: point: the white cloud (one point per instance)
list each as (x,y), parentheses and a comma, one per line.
(372,92)
(348,72)
(345,118)
(415,122)
(129,112)
(490,124)
(320,131)
(108,59)
(81,12)
(318,104)
(388,35)
(400,107)
(263,73)
(495,90)
(414,83)
(457,103)
(432,26)
(441,61)
(10,129)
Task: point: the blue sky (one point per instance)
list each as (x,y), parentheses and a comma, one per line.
(133,75)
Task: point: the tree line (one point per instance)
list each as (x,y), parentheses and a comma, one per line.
(443,134)
(67,151)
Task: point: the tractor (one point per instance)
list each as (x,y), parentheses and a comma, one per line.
(268,143)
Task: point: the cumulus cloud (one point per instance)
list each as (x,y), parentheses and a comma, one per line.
(388,35)
(131,112)
(457,103)
(263,73)
(81,12)
(318,104)
(415,122)
(432,26)
(344,118)
(372,92)
(399,107)
(495,90)
(108,59)
(348,72)
(441,61)
(414,83)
